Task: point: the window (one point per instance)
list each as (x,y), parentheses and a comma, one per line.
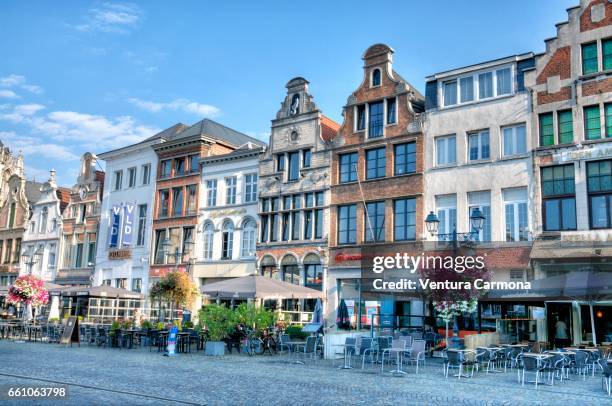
(280,162)
(608,113)
(375,163)
(347,224)
(566,126)
(230,190)
(211,193)
(391,111)
(146,174)
(504,81)
(78,262)
(121,283)
(404,158)
(187,247)
(44,215)
(192,191)
(467,89)
(9,251)
(592,124)
(375,77)
(131,177)
(227,240)
(589,58)
(558,191)
(32,227)
(296,218)
(52,254)
(376,120)
(306,158)
(194,163)
(361,119)
(481,201)
(249,238)
(514,139)
(250,192)
(404,218)
(294,166)
(450,93)
(164,199)
(136,284)
(177,202)
(286,227)
(291,274)
(375,222)
(348,167)
(515,214)
(118,180)
(606,47)
(82,212)
(485,85)
(445,150)
(599,186)
(179,166)
(91,254)
(160,236)
(142,224)
(308,216)
(12,213)
(313,272)
(209,235)
(17,254)
(53,224)
(478,144)
(446,207)
(174,237)
(547,130)
(166,167)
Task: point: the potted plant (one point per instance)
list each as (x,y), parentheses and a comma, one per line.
(218,322)
(29,291)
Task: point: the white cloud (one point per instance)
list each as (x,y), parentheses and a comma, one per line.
(20,81)
(8,94)
(86,131)
(188,106)
(36,146)
(21,112)
(111,17)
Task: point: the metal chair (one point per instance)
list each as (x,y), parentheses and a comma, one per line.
(532,365)
(309,349)
(417,353)
(398,347)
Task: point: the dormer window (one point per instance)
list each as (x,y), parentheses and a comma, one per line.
(376,77)
(478,86)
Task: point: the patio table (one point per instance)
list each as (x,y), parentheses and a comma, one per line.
(292,345)
(464,351)
(492,351)
(346,365)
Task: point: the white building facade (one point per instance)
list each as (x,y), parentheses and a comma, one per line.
(124,246)
(42,237)
(478,146)
(225,245)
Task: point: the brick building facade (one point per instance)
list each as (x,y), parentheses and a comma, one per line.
(377,158)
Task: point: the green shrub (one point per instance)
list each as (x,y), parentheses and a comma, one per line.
(188,324)
(295,332)
(146,324)
(218,320)
(160,325)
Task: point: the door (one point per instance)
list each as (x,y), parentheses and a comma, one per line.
(559,321)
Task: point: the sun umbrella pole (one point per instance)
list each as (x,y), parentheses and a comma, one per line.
(593,324)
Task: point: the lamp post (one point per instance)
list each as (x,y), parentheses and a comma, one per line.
(31,257)
(178,256)
(476,222)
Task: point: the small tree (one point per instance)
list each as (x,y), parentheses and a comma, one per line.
(254,317)
(176,288)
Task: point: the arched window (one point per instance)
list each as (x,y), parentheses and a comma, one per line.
(43,220)
(228,240)
(209,234)
(291,272)
(376,77)
(268,267)
(313,271)
(249,230)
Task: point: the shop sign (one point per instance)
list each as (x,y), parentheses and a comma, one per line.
(120,254)
(227,212)
(593,152)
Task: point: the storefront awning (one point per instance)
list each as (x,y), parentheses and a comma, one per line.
(256,286)
(102,291)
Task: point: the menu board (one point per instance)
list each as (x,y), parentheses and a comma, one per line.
(71,332)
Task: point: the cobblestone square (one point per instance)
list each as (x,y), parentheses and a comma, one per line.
(137,377)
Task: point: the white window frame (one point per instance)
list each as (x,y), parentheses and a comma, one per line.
(446,150)
(372,77)
(211,192)
(514,137)
(479,134)
(446,228)
(231,190)
(515,203)
(146,170)
(252,196)
(476,85)
(118,178)
(132,179)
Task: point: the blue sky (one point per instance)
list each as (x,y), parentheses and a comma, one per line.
(79,76)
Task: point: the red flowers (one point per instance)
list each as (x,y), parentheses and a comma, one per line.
(28,289)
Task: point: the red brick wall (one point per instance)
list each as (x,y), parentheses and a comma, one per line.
(585,19)
(559,64)
(596,87)
(564,94)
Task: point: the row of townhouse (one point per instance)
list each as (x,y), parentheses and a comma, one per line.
(524,139)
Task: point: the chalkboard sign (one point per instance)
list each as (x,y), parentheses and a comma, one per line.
(71,332)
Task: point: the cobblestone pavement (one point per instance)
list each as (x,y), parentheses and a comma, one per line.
(126,377)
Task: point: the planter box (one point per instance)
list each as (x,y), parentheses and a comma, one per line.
(215,348)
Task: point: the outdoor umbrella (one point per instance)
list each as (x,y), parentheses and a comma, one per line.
(260,287)
(343,321)
(317,316)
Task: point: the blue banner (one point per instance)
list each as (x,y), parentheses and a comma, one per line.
(172,336)
(114,229)
(128,224)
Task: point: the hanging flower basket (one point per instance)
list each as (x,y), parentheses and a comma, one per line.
(28,290)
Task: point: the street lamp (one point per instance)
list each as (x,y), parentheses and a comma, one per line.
(31,257)
(476,222)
